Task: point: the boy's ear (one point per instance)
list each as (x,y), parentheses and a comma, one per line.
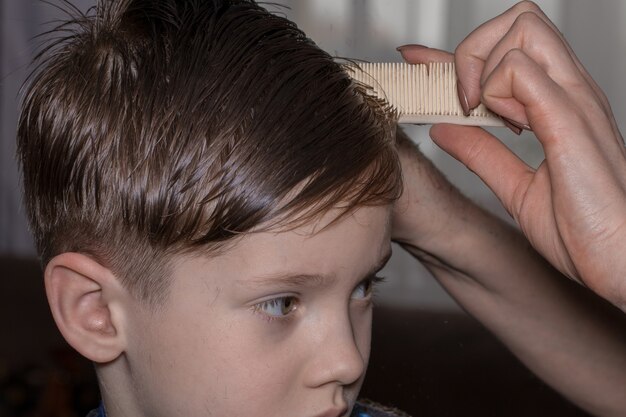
(87,303)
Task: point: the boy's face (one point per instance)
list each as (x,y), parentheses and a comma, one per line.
(278,325)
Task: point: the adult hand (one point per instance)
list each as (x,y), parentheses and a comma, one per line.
(572,208)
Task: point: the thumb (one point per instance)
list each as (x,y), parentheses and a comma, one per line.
(503,172)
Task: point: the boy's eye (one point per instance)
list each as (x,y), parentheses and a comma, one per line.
(366,287)
(277,307)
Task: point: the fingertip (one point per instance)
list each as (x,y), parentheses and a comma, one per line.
(441,134)
(453,139)
(420,54)
(438,130)
(410,51)
(410,46)
(441,131)
(468,72)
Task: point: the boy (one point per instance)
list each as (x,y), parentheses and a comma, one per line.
(210,194)
(212,197)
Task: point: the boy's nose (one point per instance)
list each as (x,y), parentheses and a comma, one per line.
(337,357)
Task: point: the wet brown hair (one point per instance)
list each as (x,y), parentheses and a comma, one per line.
(153,128)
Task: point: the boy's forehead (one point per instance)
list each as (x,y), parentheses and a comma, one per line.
(367,216)
(333,225)
(316,244)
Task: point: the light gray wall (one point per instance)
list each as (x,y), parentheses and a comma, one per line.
(366,29)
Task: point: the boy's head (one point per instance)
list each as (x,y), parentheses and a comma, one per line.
(179,151)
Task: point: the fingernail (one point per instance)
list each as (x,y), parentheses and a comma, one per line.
(411,46)
(516,127)
(463,99)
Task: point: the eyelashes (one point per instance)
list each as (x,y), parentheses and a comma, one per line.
(367,287)
(283,308)
(277,308)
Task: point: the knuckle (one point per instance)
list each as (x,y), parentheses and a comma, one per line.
(513,57)
(527,19)
(527,6)
(461,50)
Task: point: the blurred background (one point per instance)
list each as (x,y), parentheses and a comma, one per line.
(363,29)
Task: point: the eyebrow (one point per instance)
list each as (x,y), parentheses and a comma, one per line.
(308,280)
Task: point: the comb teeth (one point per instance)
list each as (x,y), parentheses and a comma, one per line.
(422,94)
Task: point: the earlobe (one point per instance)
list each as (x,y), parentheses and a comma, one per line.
(87,303)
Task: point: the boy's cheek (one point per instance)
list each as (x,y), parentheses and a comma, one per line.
(202,369)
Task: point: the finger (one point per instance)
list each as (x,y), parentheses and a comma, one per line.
(551,111)
(533,100)
(536,35)
(474,50)
(596,88)
(532,35)
(471,53)
(503,172)
(418,54)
